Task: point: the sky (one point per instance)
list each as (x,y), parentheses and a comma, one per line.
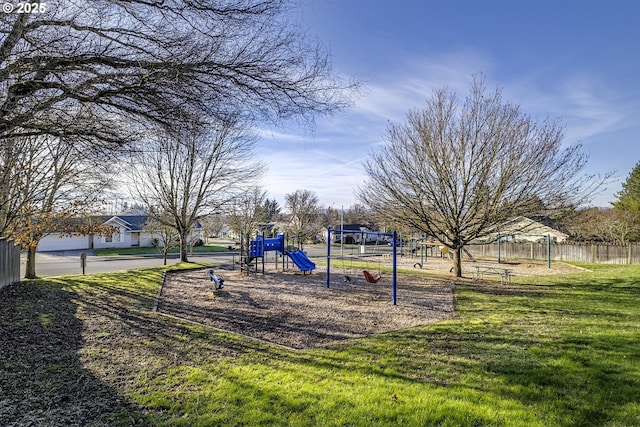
(576,60)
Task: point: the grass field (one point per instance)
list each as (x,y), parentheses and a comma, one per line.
(545,351)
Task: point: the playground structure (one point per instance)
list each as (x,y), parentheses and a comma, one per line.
(367,275)
(260,245)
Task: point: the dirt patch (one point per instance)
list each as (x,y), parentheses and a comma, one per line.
(299,311)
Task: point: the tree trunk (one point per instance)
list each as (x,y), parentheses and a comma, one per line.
(30,270)
(457,262)
(183,246)
(245,245)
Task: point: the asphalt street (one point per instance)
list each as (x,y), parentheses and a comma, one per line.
(68,262)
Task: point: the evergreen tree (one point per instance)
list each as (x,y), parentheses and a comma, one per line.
(271,210)
(627,206)
(629,196)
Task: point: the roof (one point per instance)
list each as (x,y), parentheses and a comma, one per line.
(135,222)
(130,222)
(524,226)
(354,227)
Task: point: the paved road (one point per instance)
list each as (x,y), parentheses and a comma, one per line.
(68,262)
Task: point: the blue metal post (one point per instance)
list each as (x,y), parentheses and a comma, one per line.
(263,238)
(394,276)
(328,256)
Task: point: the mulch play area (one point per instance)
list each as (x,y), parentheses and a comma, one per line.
(299,311)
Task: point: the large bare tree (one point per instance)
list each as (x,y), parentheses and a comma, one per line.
(305,220)
(184,176)
(104,69)
(246,213)
(15,190)
(50,187)
(602,225)
(101,73)
(458,170)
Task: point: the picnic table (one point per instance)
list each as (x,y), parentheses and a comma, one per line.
(504,273)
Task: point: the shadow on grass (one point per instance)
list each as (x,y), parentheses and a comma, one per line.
(42,378)
(569,352)
(79,355)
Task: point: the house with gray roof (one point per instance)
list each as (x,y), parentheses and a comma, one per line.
(129,233)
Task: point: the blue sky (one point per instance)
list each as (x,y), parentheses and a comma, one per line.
(578,60)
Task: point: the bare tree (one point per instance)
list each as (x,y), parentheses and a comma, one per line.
(15,190)
(357,214)
(616,226)
(585,225)
(332,217)
(305,221)
(458,170)
(164,236)
(213,224)
(50,187)
(189,175)
(106,69)
(246,213)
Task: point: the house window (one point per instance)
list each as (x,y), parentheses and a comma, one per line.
(113,238)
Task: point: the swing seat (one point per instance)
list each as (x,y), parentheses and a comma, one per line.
(371,279)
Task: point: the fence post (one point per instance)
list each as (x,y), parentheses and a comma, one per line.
(9,262)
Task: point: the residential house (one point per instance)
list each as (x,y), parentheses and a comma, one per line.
(130,232)
(355,234)
(524,229)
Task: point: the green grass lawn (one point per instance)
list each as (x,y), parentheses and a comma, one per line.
(549,351)
(155,251)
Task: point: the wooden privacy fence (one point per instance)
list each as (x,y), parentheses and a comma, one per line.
(597,253)
(9,262)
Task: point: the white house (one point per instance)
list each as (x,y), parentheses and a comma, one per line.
(130,233)
(59,242)
(523,229)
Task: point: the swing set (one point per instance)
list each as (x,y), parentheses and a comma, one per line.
(363,256)
(368,276)
(371,279)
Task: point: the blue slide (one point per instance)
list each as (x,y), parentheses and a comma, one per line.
(301,261)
